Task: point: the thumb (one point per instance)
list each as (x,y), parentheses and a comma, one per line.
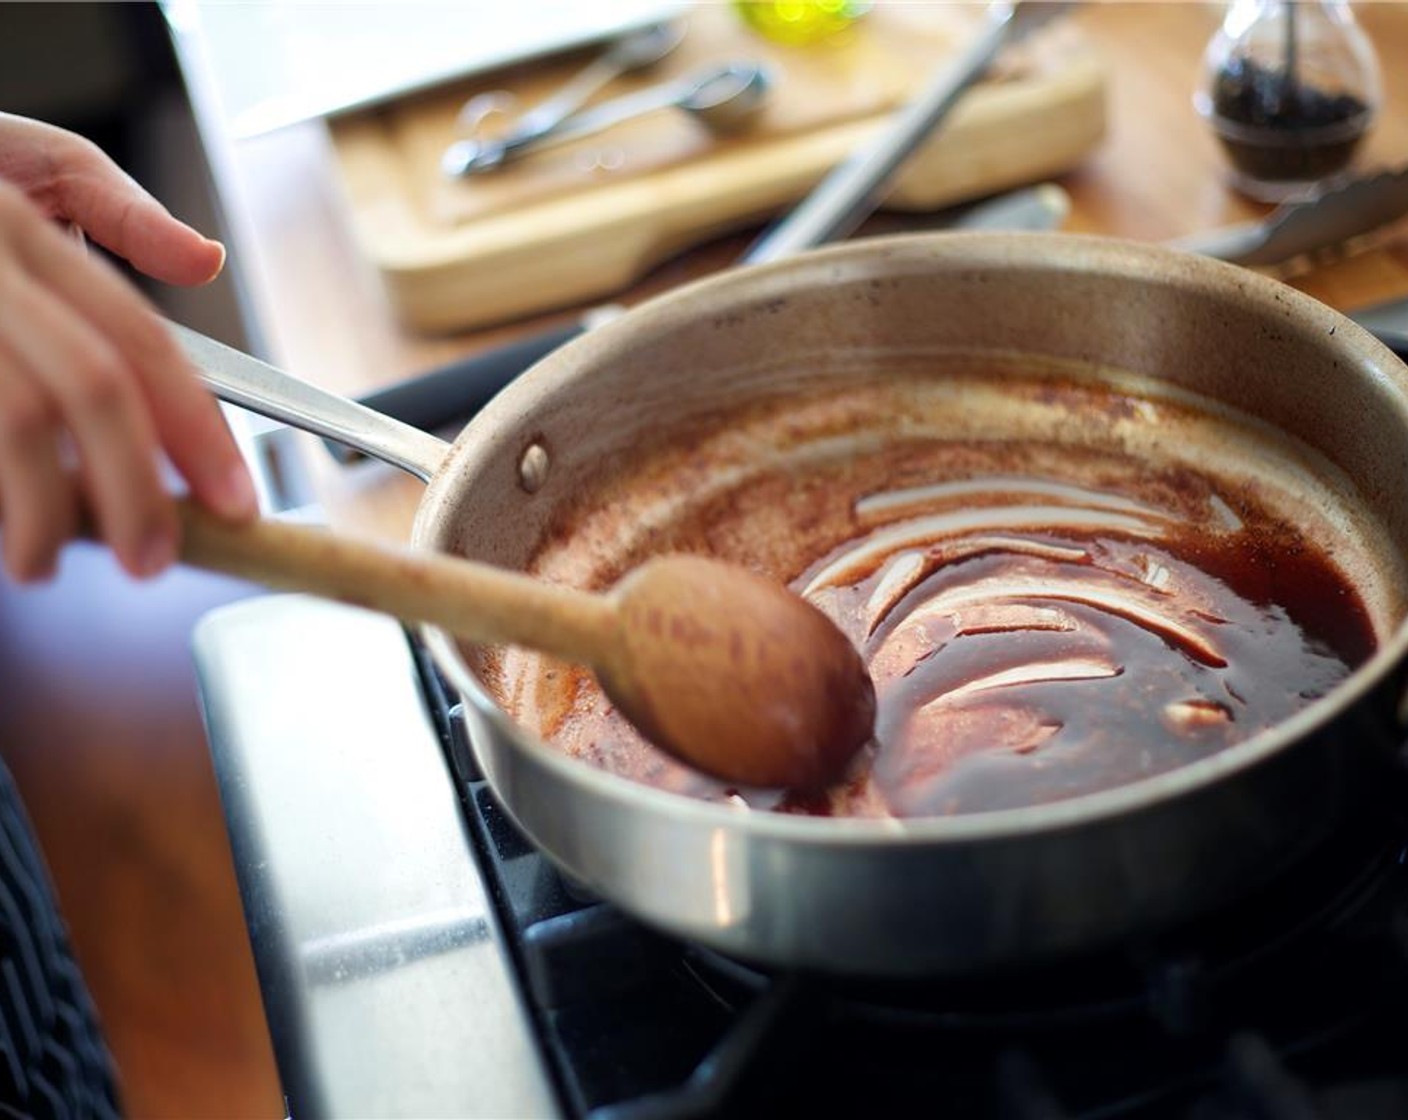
(87,188)
(123,218)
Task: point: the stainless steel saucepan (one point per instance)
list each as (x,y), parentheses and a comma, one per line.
(935,895)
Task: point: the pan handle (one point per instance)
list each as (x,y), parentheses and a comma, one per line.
(234,376)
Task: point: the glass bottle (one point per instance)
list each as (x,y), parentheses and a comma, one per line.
(799,23)
(1290,88)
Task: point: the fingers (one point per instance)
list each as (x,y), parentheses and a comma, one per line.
(188,423)
(36,493)
(116,213)
(83,357)
(68,370)
(70,178)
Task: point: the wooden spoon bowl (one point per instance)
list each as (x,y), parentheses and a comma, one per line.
(735,675)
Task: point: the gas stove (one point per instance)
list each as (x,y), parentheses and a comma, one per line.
(418,957)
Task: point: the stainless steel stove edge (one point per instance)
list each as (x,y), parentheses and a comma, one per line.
(386,981)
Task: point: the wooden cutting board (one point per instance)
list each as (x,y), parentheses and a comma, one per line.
(579,222)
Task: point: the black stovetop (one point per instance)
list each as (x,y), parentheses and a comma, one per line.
(1291,1006)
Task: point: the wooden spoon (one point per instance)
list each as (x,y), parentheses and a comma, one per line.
(723,669)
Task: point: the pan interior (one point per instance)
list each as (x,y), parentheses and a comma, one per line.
(1136,484)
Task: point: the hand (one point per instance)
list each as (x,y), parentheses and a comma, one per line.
(92,388)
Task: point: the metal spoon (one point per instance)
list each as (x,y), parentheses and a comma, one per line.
(722,98)
(636,51)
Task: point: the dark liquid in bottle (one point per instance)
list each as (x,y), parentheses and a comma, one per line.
(1274,128)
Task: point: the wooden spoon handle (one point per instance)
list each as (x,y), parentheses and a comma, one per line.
(474,601)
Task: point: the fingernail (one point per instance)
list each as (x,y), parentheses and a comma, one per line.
(220,264)
(157,554)
(233,493)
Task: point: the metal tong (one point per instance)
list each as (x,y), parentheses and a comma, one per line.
(635,51)
(721,97)
(1331,218)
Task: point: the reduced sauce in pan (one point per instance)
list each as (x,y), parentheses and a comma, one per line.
(1031,641)
(1041,618)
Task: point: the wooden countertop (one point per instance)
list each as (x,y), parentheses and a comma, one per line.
(315,307)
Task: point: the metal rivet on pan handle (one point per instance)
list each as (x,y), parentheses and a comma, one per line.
(533,467)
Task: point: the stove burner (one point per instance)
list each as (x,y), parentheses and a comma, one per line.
(1177,978)
(1292,1005)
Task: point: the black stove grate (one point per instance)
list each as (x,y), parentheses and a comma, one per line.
(1292,1006)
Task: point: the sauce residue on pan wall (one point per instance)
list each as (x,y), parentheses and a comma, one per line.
(1044,615)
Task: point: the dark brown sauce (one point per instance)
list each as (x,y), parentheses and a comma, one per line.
(1041,620)
(1052,675)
